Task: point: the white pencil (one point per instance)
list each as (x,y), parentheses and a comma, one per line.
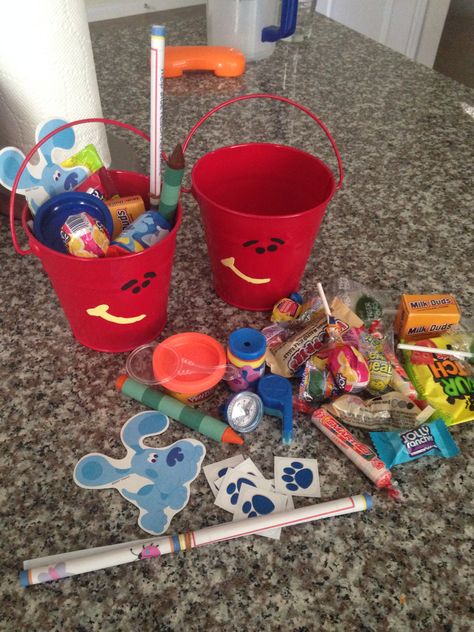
(157,68)
(56,567)
(451,352)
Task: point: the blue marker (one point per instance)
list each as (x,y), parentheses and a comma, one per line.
(277,397)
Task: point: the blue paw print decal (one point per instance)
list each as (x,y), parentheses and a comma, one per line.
(297,477)
(233,489)
(259,506)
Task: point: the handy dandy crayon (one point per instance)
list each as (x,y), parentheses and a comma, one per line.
(359,453)
(190,417)
(172,184)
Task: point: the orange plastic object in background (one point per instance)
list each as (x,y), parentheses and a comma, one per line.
(221,60)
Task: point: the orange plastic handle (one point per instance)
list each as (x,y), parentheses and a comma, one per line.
(221,60)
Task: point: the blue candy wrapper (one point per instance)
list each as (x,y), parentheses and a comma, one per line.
(433,439)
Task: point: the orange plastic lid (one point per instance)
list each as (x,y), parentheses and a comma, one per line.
(189,362)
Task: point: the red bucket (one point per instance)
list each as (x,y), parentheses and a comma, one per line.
(261,205)
(112,304)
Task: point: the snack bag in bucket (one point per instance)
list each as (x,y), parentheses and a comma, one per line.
(261,205)
(112,304)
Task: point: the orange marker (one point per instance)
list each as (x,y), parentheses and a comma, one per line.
(190,417)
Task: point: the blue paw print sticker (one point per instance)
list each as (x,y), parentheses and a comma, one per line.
(222,472)
(233,489)
(297,477)
(259,506)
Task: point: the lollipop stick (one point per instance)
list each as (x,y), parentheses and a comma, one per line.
(450,352)
(325,302)
(332,329)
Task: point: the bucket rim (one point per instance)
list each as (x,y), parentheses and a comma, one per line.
(280,146)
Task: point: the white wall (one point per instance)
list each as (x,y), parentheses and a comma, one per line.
(411,27)
(108,9)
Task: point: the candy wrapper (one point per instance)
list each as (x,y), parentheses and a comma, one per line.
(84,236)
(286,309)
(380,368)
(99,184)
(349,369)
(317,383)
(285,359)
(373,307)
(87,157)
(446,383)
(392,411)
(432,439)
(359,453)
(275,334)
(147,230)
(399,380)
(310,307)
(124,211)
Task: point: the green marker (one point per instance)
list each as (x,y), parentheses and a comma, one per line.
(190,417)
(172,184)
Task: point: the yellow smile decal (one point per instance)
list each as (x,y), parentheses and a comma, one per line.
(230,263)
(102,312)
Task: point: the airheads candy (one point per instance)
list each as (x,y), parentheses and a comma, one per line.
(446,383)
(431,439)
(425,315)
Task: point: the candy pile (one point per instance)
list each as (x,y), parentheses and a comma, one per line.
(346,363)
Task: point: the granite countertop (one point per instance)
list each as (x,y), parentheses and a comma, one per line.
(400,223)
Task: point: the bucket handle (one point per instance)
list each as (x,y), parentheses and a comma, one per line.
(25,162)
(244,97)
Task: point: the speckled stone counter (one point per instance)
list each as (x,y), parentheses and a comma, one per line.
(402,223)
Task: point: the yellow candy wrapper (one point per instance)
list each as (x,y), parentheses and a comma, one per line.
(445,382)
(87,157)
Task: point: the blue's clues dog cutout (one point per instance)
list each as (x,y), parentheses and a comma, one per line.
(54,178)
(156,480)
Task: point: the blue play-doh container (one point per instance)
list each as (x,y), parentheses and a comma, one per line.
(54,212)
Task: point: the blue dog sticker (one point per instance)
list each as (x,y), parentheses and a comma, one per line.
(156,480)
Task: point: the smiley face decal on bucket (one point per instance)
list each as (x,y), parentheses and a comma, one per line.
(260,249)
(102,310)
